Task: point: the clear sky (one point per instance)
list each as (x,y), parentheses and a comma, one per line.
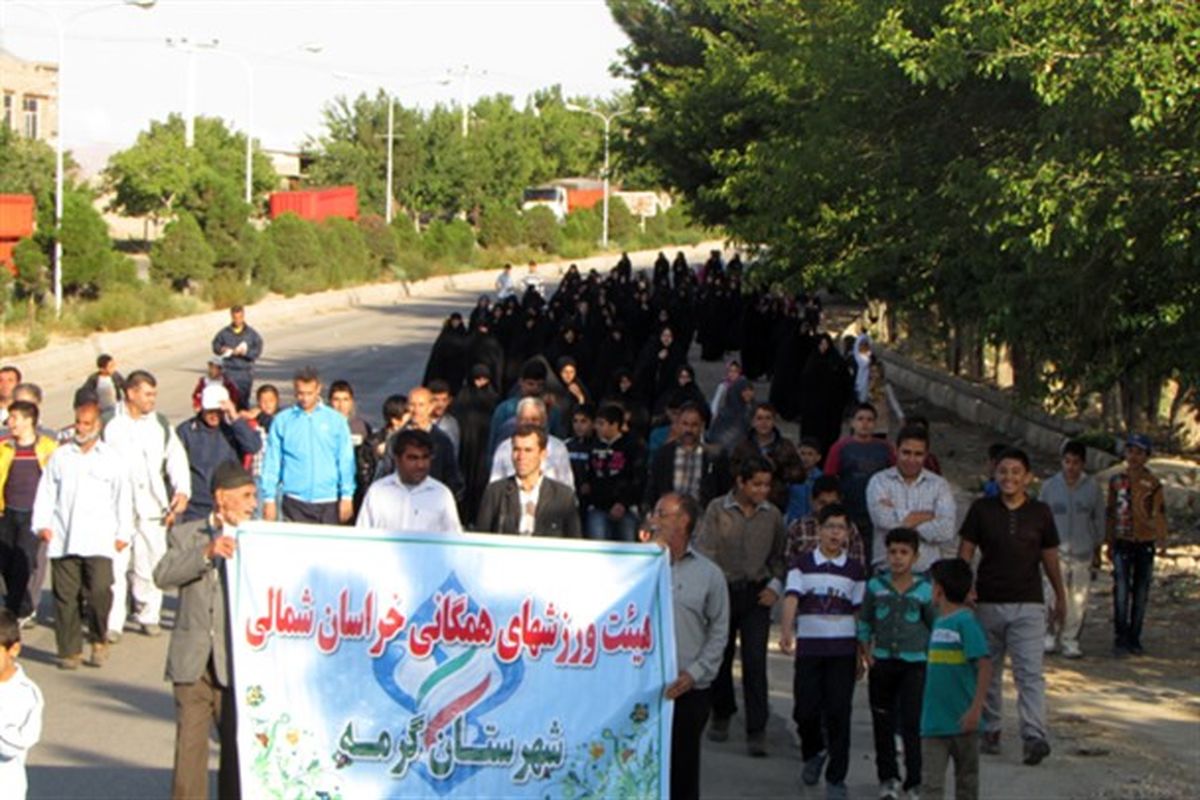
(119,72)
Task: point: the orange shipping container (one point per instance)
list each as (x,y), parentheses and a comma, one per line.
(16,215)
(317,204)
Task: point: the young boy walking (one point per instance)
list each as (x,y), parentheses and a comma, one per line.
(955,687)
(893,635)
(824,591)
(20,710)
(1137,521)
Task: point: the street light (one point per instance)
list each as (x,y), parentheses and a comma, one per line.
(60,26)
(607,120)
(248,67)
(391,138)
(464,75)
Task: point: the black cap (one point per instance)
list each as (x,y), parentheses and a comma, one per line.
(231,475)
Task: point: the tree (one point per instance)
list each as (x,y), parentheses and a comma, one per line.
(182,255)
(33,274)
(542,229)
(160,175)
(1020,173)
(499,225)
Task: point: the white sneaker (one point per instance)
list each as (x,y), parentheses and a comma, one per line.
(1051,643)
(1071,650)
(889,790)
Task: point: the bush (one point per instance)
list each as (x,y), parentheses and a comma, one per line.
(128,307)
(295,258)
(346,260)
(452,243)
(583,226)
(227,289)
(380,240)
(623,226)
(500,226)
(542,229)
(182,254)
(89,261)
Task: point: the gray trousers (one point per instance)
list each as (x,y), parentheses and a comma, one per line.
(1018,629)
(937,752)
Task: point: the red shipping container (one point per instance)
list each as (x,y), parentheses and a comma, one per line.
(16,216)
(317,204)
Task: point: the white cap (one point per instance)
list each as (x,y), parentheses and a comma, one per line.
(213,396)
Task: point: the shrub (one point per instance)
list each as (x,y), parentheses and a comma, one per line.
(542,229)
(228,289)
(182,254)
(296,255)
(345,255)
(583,226)
(622,224)
(500,226)
(449,242)
(128,307)
(380,240)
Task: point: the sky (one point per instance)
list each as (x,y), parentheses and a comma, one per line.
(119,72)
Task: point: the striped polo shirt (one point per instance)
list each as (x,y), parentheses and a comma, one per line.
(829,592)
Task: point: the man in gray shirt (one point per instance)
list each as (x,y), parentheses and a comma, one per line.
(701,629)
(1078,504)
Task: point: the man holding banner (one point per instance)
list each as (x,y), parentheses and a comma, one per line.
(701,629)
(408,499)
(197,661)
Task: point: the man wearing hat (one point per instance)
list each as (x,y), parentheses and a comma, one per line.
(1136,522)
(215,376)
(198,662)
(215,435)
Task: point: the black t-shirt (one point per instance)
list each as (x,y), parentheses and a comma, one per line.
(23,476)
(1011,542)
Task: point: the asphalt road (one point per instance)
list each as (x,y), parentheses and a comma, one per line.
(109,733)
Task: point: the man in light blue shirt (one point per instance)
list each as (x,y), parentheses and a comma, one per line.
(310,458)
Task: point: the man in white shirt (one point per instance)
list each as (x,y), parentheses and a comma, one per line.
(910,496)
(408,499)
(532,411)
(84,512)
(161,482)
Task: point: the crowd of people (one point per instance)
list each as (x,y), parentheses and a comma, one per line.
(576,413)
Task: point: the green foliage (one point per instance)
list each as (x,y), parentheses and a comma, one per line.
(346,258)
(33,268)
(379,239)
(294,255)
(583,226)
(182,255)
(131,306)
(542,229)
(89,262)
(226,289)
(1026,170)
(452,243)
(500,226)
(623,226)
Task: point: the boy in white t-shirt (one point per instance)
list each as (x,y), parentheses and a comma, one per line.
(20,710)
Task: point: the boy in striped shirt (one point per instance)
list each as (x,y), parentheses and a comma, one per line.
(824,591)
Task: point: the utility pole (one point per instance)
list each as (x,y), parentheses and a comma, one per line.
(463,75)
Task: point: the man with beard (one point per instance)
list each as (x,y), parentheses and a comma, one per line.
(686,466)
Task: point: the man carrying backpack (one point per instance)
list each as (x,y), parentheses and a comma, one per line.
(160,482)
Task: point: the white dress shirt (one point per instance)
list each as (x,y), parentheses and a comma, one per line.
(528,501)
(890,498)
(392,505)
(556,468)
(84,500)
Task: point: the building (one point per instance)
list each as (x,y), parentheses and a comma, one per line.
(29,93)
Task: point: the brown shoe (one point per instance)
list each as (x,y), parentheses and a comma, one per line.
(99,655)
(70,662)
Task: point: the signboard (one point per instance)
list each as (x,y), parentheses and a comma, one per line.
(370,664)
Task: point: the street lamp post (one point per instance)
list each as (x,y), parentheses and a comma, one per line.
(60,25)
(391,138)
(607,120)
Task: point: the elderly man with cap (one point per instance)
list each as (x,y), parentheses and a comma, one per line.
(215,435)
(215,376)
(198,662)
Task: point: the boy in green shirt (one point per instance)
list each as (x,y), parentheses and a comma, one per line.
(893,635)
(956,685)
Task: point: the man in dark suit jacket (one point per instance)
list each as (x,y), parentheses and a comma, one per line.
(198,662)
(708,477)
(529,503)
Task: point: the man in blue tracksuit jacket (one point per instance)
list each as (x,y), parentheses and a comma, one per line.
(310,458)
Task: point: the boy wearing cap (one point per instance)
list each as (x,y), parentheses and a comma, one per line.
(198,662)
(215,376)
(1136,521)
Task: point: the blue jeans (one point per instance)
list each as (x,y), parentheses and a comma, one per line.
(599,525)
(1133,568)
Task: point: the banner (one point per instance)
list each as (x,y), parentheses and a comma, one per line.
(371,664)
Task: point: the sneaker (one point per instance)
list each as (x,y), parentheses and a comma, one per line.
(1050,643)
(989,744)
(99,655)
(1071,650)
(29,623)
(150,629)
(836,791)
(70,662)
(1035,751)
(756,744)
(113,637)
(889,790)
(718,731)
(812,769)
